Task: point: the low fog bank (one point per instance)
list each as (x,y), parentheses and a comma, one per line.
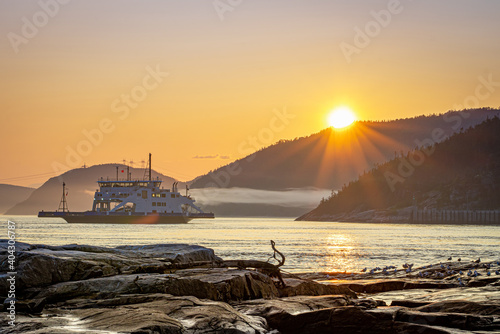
(303,198)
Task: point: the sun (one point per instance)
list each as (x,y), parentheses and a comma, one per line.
(341,117)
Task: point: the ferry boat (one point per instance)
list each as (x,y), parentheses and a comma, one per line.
(133,202)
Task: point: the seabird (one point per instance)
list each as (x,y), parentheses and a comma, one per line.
(364,270)
(488,273)
(449,259)
(478,260)
(459,259)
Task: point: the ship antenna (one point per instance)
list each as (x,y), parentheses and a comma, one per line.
(149,166)
(64,204)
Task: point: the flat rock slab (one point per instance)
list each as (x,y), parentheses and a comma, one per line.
(292,305)
(218,284)
(164,314)
(41,265)
(378,286)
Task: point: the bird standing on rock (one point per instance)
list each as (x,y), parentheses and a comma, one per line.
(478,260)
(449,259)
(459,259)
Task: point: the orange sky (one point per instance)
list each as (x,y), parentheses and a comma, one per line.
(239,77)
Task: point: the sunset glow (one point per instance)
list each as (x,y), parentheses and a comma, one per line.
(341,117)
(189,80)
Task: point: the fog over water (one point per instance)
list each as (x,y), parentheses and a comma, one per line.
(304,197)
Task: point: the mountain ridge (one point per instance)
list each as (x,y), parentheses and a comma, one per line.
(330,158)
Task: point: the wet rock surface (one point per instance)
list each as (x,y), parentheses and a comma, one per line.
(140,289)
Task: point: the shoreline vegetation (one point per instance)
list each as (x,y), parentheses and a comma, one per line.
(180,288)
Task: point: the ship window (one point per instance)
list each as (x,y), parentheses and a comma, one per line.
(144,194)
(176,195)
(164,204)
(163,195)
(154,211)
(172,195)
(138,194)
(154,203)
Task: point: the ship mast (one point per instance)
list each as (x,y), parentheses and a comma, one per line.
(63,204)
(149,166)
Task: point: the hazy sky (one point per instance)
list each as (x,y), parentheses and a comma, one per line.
(201,83)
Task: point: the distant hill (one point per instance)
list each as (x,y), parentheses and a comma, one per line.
(11,195)
(462,172)
(81,184)
(330,158)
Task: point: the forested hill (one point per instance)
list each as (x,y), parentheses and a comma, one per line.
(459,173)
(330,158)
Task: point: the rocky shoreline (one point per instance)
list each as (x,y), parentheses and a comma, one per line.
(401,216)
(178,288)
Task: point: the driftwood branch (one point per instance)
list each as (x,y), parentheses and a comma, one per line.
(282,261)
(264,267)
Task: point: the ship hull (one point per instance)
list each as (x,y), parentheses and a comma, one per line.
(90,217)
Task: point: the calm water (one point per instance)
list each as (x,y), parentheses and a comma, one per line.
(308,246)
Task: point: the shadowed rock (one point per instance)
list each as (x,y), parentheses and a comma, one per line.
(461,306)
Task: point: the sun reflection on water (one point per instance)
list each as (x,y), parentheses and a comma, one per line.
(340,249)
